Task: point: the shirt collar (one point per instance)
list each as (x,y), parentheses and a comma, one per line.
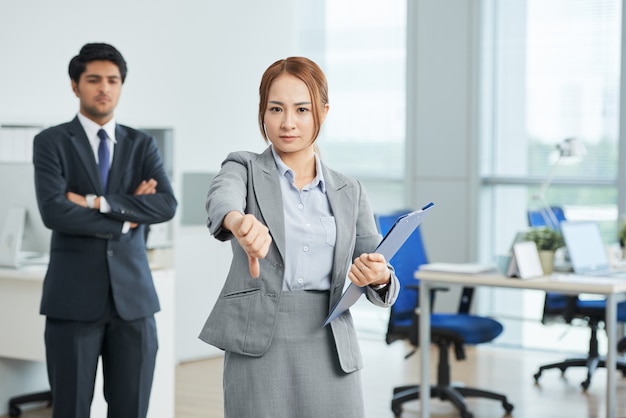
(91,128)
(285,171)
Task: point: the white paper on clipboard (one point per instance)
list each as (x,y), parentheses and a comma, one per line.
(389,246)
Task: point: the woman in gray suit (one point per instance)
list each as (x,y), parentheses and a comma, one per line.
(298,230)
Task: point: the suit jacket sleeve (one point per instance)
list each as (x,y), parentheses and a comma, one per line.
(228,192)
(148,208)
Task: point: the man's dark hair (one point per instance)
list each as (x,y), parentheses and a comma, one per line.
(96,52)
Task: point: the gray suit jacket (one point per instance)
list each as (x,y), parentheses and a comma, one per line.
(243,318)
(89,255)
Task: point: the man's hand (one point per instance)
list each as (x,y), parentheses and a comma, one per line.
(80,200)
(76,199)
(146,187)
(252,235)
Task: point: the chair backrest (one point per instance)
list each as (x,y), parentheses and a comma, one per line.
(541,217)
(557,307)
(405,262)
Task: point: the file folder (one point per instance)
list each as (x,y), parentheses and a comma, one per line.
(389,246)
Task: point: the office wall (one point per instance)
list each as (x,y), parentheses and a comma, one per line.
(194,66)
(442,132)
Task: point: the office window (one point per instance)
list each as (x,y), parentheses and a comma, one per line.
(552,71)
(556,75)
(361,45)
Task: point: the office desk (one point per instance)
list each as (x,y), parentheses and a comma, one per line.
(613,289)
(22,334)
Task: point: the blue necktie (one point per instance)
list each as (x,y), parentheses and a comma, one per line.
(103,158)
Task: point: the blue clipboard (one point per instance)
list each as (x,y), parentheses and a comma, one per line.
(389,246)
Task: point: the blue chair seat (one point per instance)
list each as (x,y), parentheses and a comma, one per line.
(471,328)
(557,305)
(598,306)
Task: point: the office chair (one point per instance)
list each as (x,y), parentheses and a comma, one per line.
(14,403)
(565,308)
(541,217)
(447,330)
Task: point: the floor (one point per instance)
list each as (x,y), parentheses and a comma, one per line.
(508,370)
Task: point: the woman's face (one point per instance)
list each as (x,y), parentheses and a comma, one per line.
(288,116)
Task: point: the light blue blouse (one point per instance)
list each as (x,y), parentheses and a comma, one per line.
(310,231)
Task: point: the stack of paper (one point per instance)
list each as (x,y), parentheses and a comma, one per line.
(463,268)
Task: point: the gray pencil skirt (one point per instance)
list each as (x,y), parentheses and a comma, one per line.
(300,376)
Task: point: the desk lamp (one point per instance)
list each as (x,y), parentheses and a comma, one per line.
(570,150)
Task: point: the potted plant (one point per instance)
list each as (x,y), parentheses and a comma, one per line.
(622,235)
(548,240)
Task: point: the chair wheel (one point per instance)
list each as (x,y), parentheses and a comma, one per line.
(14,411)
(537,376)
(507,406)
(467,414)
(397,411)
(585,385)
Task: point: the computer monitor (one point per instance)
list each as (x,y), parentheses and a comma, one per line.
(17,190)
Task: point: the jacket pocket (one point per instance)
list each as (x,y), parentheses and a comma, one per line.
(242,293)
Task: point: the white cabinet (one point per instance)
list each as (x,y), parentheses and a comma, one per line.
(22,328)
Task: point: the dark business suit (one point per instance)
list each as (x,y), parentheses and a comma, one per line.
(98,275)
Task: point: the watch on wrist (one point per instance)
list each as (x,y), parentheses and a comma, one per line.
(91,199)
(379,286)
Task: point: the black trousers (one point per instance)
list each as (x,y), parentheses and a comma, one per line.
(128,350)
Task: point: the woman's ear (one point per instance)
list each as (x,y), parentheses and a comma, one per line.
(324,113)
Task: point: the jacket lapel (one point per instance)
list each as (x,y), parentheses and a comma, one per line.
(79,140)
(120,158)
(266,190)
(341,201)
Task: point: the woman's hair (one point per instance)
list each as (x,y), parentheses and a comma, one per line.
(304,69)
(96,52)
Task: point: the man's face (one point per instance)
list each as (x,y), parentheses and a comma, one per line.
(99,89)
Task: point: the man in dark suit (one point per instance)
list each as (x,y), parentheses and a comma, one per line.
(99,185)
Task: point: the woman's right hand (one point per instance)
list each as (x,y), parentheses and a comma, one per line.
(252,235)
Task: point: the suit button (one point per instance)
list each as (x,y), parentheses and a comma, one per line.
(110,253)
